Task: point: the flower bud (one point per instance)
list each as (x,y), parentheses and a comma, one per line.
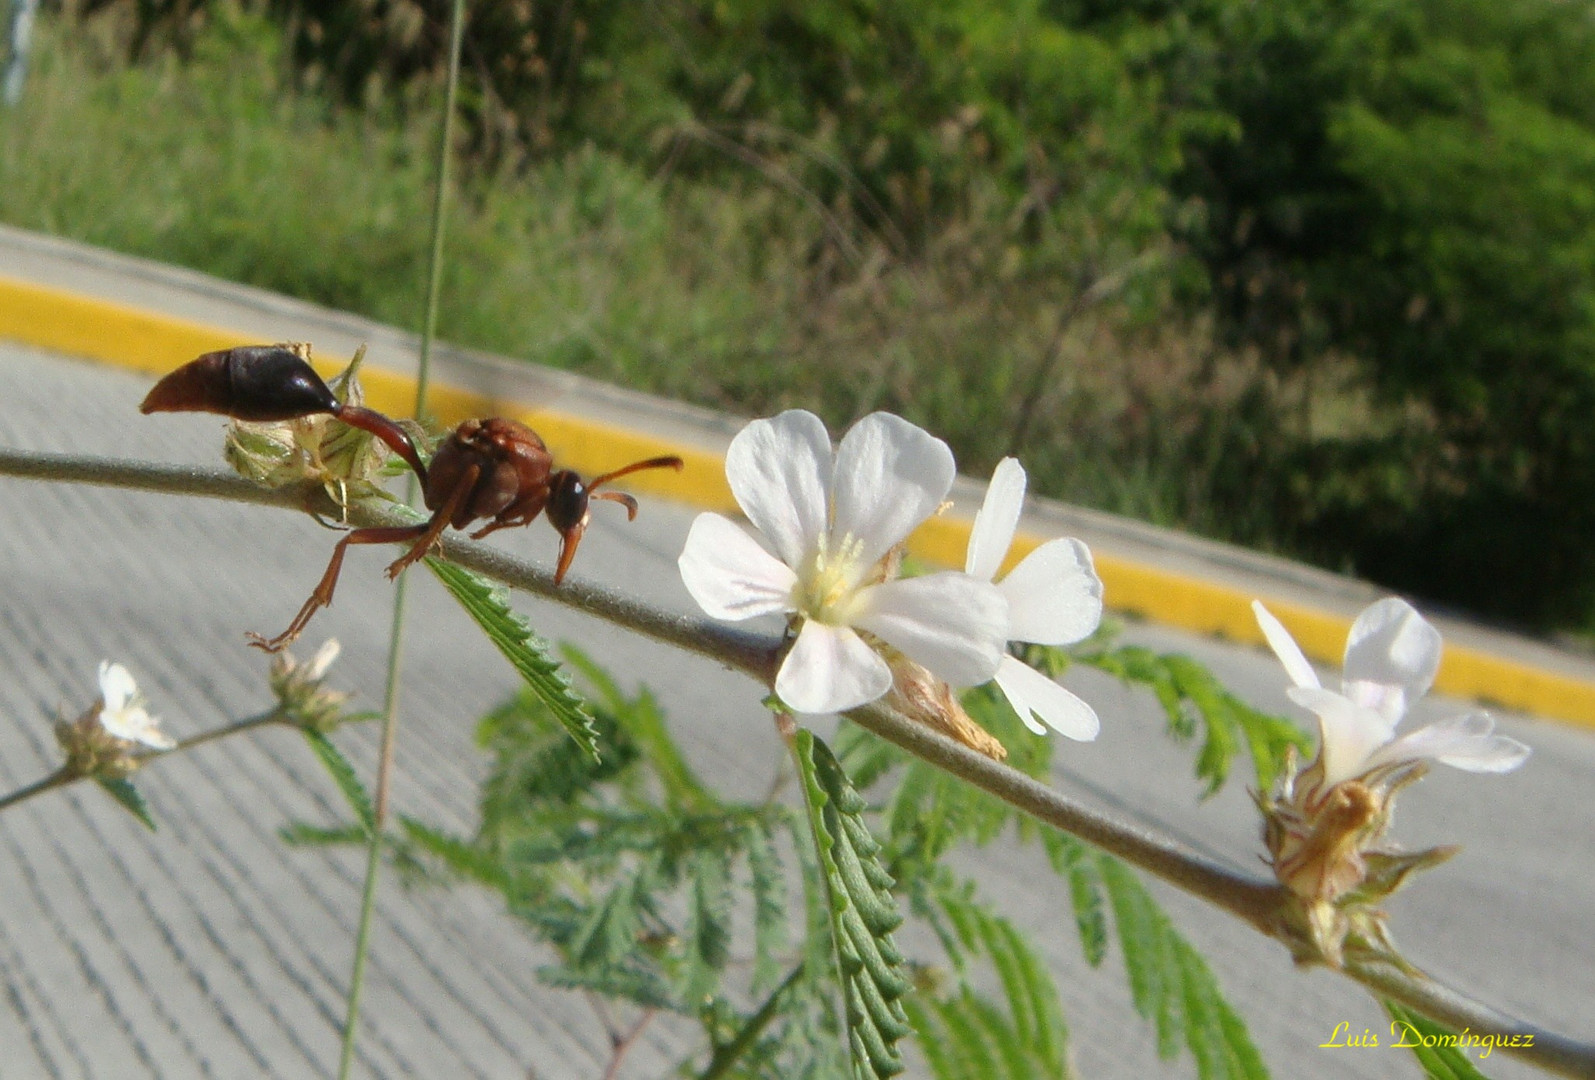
(346,460)
(921,696)
(299,689)
(1325,845)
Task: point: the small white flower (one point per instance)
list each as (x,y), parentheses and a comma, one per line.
(1392,655)
(833,525)
(1054,598)
(122,712)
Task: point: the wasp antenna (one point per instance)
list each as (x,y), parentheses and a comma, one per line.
(619,497)
(670,462)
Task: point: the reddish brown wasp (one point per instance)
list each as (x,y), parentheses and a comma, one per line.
(494,469)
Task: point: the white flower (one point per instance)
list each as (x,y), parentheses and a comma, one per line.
(122,712)
(1054,598)
(833,527)
(1392,655)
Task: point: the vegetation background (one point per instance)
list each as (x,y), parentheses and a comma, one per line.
(1313,275)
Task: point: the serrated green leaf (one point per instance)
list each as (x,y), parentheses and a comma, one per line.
(123,791)
(458,855)
(526,652)
(862,911)
(343,774)
(1435,1047)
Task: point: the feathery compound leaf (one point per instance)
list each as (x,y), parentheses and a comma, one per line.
(527,652)
(966,1035)
(1035,1013)
(123,791)
(1171,984)
(863,913)
(1077,862)
(1192,698)
(1437,1049)
(769,905)
(709,921)
(343,774)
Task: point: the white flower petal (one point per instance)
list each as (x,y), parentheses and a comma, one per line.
(1029,691)
(323,659)
(136,725)
(1463,742)
(994,525)
(729,574)
(780,471)
(1350,733)
(950,623)
(116,686)
(830,669)
(1391,645)
(1054,595)
(1296,666)
(890,476)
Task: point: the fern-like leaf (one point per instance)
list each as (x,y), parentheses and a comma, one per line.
(526,652)
(709,921)
(128,797)
(967,1035)
(1172,986)
(1077,862)
(1035,1013)
(862,910)
(769,905)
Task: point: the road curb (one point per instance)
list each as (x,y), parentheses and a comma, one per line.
(57,296)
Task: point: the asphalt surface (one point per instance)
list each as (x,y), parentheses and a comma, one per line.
(211,949)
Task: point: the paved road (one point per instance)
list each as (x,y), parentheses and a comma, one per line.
(210,949)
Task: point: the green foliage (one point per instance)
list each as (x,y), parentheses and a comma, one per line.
(1172,986)
(488,604)
(128,797)
(1434,1046)
(928,813)
(1194,701)
(349,786)
(1027,1035)
(863,912)
(655,892)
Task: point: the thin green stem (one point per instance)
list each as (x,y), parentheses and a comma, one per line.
(390,706)
(63,777)
(434,282)
(728,1053)
(1253,899)
(60,778)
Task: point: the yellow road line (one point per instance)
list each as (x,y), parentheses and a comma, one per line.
(132,338)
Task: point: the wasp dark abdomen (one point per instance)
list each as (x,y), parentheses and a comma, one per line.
(251,382)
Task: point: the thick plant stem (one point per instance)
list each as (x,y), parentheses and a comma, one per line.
(1253,899)
(390,707)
